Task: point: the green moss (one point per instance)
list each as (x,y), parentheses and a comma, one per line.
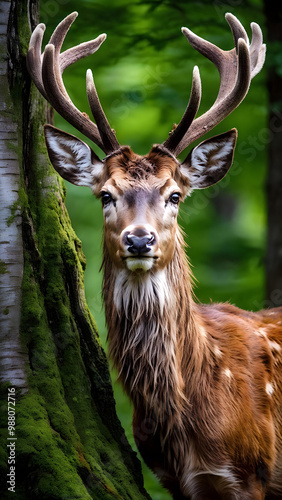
(3,267)
(32,310)
(19,205)
(53,464)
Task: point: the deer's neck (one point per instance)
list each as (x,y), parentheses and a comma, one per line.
(153,336)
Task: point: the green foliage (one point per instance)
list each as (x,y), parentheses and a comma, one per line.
(143,73)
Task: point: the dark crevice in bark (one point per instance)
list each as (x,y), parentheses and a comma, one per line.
(273,13)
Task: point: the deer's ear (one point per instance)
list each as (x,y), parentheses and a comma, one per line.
(72,158)
(210,161)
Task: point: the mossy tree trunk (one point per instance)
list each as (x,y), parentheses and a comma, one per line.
(69,443)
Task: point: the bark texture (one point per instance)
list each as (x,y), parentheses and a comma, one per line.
(273,12)
(70,443)
(11,246)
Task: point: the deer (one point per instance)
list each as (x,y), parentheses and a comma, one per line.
(205,380)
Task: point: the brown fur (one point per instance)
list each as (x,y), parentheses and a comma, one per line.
(200,378)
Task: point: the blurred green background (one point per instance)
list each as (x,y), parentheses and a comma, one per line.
(143,75)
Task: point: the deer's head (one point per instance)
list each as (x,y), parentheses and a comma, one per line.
(141,194)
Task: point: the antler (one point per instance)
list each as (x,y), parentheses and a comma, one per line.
(236,68)
(46,71)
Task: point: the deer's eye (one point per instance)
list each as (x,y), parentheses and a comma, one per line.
(174,198)
(106,198)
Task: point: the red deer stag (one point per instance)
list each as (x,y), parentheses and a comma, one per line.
(204,379)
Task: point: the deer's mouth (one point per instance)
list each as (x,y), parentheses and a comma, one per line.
(140,262)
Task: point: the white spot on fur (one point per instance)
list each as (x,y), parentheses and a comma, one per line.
(202,332)
(269,388)
(217,352)
(261,332)
(227,373)
(274,346)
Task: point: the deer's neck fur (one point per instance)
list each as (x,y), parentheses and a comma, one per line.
(153,336)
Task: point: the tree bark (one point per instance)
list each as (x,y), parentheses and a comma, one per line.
(273,12)
(68,442)
(11,247)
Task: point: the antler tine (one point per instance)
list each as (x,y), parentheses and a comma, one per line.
(59,34)
(257,50)
(73,54)
(236,68)
(33,58)
(61,102)
(193,105)
(219,57)
(46,71)
(107,134)
(225,105)
(85,49)
(238,30)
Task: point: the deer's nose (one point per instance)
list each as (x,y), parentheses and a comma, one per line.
(139,241)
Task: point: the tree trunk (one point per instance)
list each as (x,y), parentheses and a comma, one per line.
(273,12)
(66,441)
